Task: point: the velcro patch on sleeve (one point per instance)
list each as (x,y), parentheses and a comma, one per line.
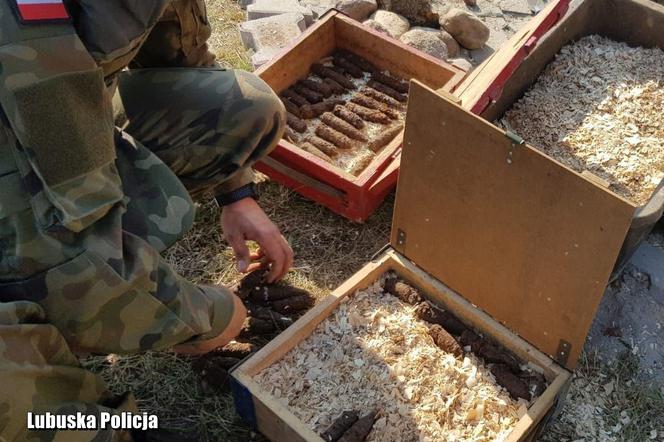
(39,11)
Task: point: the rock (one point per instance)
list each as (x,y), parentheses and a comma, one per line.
(245,3)
(263,56)
(466,28)
(470,2)
(373,24)
(395,25)
(452,45)
(461,63)
(272,32)
(267,8)
(426,40)
(357,9)
(319,7)
(418,12)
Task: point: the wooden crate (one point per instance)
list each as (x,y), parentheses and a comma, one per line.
(278,424)
(503,237)
(492,89)
(354,197)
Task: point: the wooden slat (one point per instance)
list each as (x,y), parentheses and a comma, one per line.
(524,238)
(539,409)
(273,419)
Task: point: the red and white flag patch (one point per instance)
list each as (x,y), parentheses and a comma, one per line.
(41,10)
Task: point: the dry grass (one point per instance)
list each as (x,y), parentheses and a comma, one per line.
(609,402)
(328,250)
(224,15)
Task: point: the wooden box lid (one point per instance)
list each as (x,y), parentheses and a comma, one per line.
(524,238)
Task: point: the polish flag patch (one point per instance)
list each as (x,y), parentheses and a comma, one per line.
(41,10)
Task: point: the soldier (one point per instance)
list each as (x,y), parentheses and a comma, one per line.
(86,207)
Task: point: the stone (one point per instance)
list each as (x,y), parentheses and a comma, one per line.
(268,8)
(461,63)
(418,12)
(263,56)
(453,47)
(373,24)
(357,9)
(466,28)
(515,6)
(272,32)
(426,40)
(319,7)
(245,3)
(394,24)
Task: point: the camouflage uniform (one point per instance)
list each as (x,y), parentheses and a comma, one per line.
(86,207)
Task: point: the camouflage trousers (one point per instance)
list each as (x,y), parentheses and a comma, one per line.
(104,288)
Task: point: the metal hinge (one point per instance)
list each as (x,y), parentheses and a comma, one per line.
(514,138)
(562,353)
(516,141)
(401,238)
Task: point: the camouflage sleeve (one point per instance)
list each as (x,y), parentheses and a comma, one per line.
(54,98)
(241,178)
(179,39)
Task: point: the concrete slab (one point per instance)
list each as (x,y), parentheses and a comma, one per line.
(268,8)
(272,32)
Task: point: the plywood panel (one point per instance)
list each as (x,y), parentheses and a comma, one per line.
(517,234)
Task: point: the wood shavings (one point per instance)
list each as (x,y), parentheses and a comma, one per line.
(373,353)
(598,107)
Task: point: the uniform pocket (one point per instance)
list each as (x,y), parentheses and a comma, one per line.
(70,150)
(73,140)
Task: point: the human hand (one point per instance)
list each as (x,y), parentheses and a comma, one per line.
(244,221)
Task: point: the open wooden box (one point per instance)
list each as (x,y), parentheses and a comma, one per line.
(354,197)
(499,82)
(494,242)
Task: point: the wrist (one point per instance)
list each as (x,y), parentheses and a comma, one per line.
(239,194)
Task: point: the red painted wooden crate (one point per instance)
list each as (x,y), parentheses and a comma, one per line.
(354,197)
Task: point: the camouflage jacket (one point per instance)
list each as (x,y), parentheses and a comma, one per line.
(57,138)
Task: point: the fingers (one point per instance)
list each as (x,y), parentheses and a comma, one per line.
(280,268)
(255,266)
(239,246)
(255,256)
(277,253)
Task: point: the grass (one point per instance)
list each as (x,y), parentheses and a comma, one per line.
(329,249)
(609,402)
(224,15)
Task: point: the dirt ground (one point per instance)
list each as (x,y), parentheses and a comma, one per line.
(606,401)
